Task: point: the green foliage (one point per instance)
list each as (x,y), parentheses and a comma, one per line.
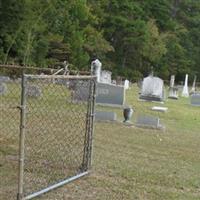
(128,36)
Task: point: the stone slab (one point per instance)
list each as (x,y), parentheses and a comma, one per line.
(195,99)
(110,94)
(159,109)
(105,116)
(148,122)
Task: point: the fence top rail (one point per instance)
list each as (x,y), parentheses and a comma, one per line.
(25,67)
(50,70)
(89,77)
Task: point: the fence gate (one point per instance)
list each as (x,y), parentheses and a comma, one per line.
(57,115)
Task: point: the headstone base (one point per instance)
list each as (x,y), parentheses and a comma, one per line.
(150,98)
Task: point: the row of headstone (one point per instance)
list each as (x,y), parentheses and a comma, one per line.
(173,91)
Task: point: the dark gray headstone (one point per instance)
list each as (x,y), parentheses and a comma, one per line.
(79,91)
(149,122)
(33,91)
(195,99)
(3,88)
(110,94)
(105,116)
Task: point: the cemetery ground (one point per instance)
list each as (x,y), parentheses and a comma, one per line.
(130,162)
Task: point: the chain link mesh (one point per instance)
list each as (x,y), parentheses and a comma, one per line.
(10,91)
(58,121)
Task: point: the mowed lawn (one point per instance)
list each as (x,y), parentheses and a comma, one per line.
(134,163)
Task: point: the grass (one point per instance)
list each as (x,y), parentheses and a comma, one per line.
(132,163)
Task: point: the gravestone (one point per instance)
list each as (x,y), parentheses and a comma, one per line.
(114,82)
(195,99)
(109,94)
(105,116)
(148,122)
(193,86)
(159,109)
(173,91)
(119,80)
(79,91)
(106,77)
(126,84)
(96,69)
(139,84)
(185,92)
(152,89)
(33,91)
(4,79)
(3,88)
(172,80)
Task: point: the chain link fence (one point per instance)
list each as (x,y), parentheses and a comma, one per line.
(10,91)
(49,121)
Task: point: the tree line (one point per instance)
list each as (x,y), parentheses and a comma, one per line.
(130,37)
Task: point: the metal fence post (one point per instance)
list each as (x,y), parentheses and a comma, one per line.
(21,139)
(89,126)
(92,119)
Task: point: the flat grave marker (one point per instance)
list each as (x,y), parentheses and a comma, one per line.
(195,99)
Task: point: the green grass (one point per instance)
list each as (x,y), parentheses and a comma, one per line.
(133,163)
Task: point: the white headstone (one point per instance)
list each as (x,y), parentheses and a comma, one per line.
(96,69)
(126,84)
(152,89)
(172,81)
(194,85)
(185,92)
(173,91)
(106,77)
